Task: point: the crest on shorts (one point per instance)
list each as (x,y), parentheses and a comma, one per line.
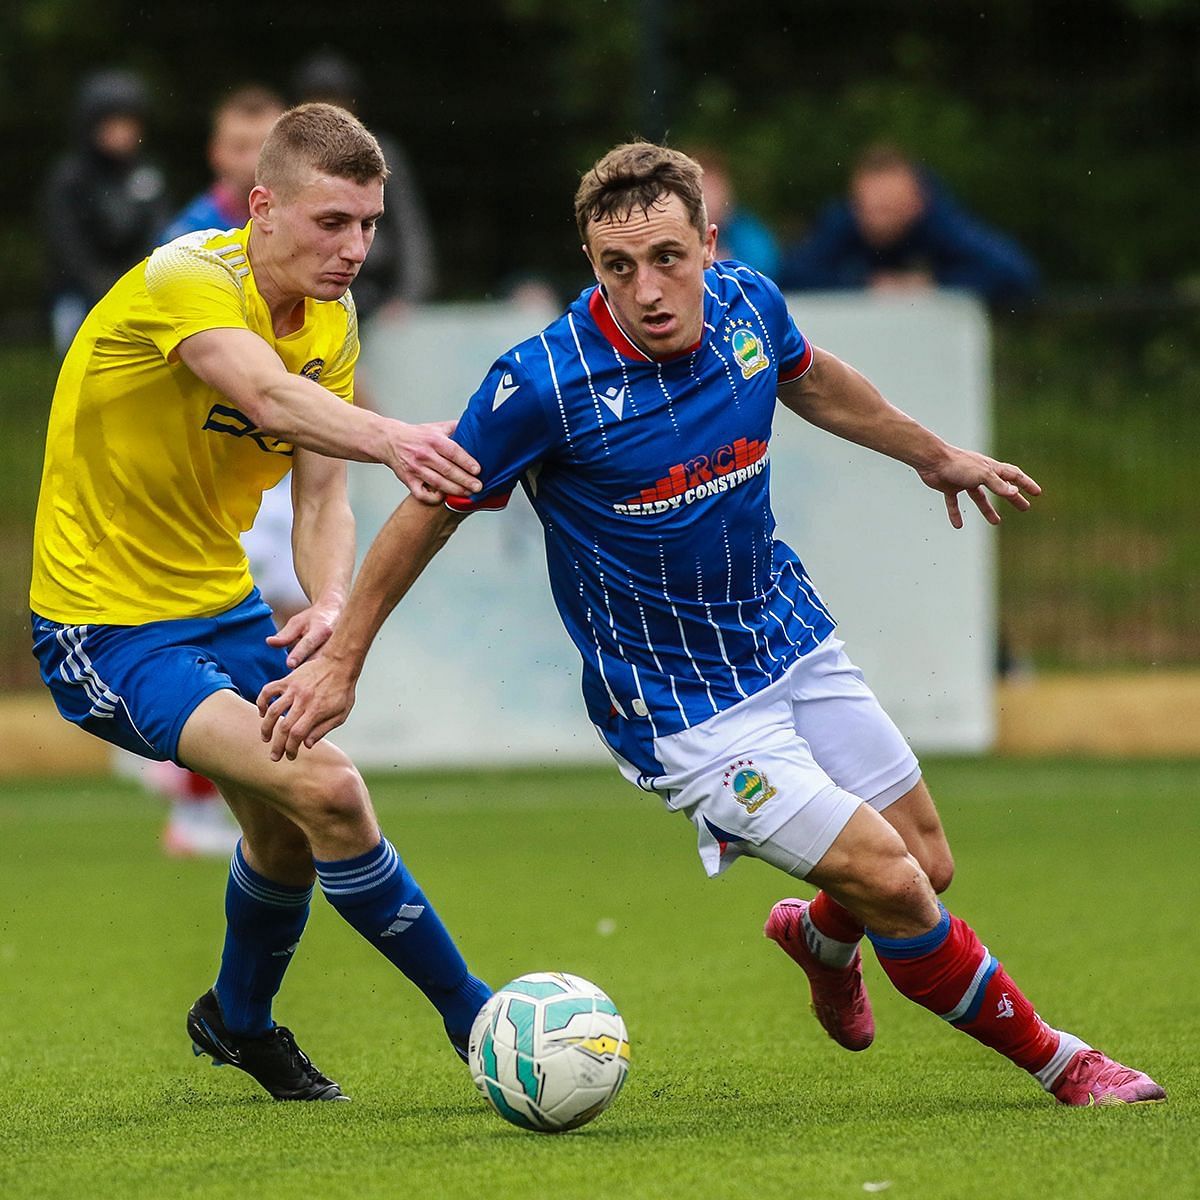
(747,349)
(748,784)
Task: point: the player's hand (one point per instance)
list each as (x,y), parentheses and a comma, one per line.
(302,708)
(977,475)
(307,631)
(429,464)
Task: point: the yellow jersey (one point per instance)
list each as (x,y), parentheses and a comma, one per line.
(150,474)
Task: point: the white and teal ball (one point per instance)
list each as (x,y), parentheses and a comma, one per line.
(549,1051)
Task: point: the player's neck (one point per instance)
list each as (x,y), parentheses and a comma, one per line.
(284,303)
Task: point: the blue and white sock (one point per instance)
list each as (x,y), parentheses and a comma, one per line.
(264,921)
(377,896)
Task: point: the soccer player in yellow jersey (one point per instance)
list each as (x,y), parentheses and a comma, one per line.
(207,372)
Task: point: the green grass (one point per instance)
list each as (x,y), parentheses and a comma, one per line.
(1080,876)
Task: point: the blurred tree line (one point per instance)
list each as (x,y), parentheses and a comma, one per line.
(1073,125)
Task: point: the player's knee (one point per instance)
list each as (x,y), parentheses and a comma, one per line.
(897,897)
(334,798)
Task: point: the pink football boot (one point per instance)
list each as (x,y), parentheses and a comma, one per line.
(1091,1078)
(839,996)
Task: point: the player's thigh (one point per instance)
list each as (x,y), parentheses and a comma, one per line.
(222,739)
(915,818)
(852,738)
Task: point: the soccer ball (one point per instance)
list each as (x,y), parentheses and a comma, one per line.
(549,1051)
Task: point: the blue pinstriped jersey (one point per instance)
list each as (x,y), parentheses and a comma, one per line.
(651,479)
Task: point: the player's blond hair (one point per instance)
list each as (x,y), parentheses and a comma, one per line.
(636,175)
(322,137)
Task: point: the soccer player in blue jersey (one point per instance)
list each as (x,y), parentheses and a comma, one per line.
(209,371)
(639,426)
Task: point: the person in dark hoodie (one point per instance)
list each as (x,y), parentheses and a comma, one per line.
(897,230)
(104,202)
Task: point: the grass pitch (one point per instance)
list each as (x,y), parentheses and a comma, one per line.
(1081,877)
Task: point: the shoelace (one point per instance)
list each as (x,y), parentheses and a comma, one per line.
(296,1056)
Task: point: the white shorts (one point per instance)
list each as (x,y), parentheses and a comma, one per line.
(813,745)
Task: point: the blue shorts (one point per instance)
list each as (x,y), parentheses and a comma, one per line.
(136,685)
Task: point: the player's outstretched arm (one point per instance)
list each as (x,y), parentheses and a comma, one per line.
(835,397)
(239,364)
(318,695)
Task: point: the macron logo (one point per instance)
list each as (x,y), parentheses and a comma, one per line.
(504,389)
(615,402)
(404,918)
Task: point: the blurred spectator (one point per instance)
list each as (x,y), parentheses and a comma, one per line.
(741,235)
(240,124)
(401,265)
(103,203)
(898,229)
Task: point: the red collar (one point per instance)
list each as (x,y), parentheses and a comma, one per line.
(606,321)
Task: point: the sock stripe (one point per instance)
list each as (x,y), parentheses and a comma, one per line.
(916,947)
(263,890)
(967,1009)
(362,878)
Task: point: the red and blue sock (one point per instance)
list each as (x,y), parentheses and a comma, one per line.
(950,972)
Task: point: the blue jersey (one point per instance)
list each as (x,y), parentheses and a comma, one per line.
(651,480)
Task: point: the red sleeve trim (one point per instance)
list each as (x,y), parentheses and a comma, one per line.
(792,373)
(467,504)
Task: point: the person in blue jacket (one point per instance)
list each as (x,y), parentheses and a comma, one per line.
(898,229)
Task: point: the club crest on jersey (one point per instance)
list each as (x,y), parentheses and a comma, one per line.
(312,369)
(747,349)
(748,784)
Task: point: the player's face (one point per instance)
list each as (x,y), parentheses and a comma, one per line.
(318,237)
(652,268)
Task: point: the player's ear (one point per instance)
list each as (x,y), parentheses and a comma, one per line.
(587,253)
(710,246)
(262,202)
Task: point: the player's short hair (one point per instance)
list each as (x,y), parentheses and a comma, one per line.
(636,175)
(322,137)
(252,100)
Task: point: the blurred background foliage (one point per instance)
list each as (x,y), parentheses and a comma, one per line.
(1072,125)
